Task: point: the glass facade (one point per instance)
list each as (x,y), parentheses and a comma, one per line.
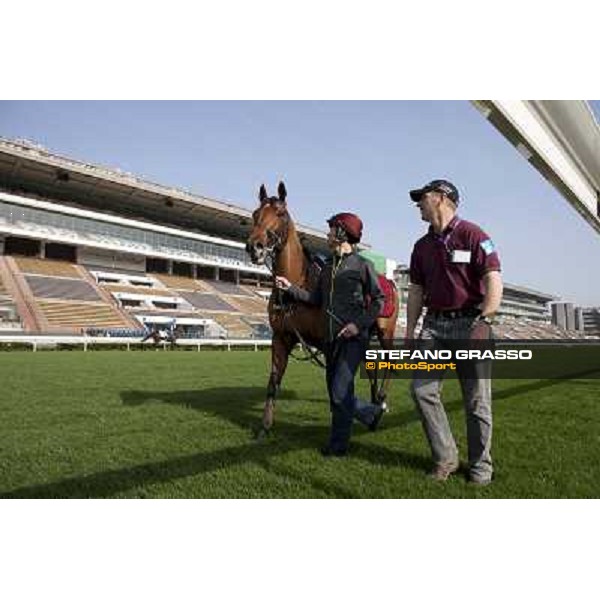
(81,229)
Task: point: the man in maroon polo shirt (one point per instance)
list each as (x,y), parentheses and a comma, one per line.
(455,275)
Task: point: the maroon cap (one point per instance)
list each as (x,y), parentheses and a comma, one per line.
(350,223)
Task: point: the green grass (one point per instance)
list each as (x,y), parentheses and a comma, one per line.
(179,425)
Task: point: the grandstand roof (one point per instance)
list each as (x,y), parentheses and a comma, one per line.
(519,290)
(561,139)
(29,167)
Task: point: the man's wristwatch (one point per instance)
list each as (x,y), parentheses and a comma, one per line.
(483,319)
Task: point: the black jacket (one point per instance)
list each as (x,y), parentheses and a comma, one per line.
(348,289)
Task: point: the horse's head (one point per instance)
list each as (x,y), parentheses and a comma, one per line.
(271,221)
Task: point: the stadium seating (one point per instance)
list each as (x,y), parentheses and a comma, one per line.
(130,289)
(510,328)
(225,287)
(249,305)
(79,315)
(210,302)
(67,300)
(261,328)
(235,325)
(61,289)
(53,268)
(62,298)
(520,328)
(237,309)
(9,315)
(176,282)
(54,293)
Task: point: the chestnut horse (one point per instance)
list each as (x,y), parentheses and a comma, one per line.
(274,239)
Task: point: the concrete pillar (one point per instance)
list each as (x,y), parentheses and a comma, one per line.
(570,316)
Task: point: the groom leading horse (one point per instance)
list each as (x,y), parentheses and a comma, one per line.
(336,314)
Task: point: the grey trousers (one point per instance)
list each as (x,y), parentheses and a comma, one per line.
(475,381)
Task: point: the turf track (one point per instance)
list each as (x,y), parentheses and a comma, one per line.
(178,425)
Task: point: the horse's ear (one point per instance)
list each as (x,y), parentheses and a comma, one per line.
(281,191)
(262,194)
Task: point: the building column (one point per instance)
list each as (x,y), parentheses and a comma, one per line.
(42,249)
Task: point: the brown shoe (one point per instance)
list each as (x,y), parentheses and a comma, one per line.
(479,481)
(442,471)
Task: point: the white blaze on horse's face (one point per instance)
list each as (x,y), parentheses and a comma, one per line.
(258,253)
(267,236)
(263,237)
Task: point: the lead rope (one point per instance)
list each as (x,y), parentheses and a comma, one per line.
(310,354)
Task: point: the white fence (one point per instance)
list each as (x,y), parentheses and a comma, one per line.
(87,342)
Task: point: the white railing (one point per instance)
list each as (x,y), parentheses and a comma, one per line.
(87,342)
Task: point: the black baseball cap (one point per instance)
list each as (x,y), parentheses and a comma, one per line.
(437,185)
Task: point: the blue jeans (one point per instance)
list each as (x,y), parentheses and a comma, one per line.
(343,359)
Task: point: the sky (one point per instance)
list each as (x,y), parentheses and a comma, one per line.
(353,156)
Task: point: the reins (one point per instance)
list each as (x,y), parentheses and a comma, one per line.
(310,353)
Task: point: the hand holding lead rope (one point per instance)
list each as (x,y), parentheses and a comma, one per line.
(282,283)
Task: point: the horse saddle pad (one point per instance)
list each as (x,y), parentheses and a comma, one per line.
(388,287)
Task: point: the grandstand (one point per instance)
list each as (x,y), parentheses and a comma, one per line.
(9,316)
(522,303)
(590,321)
(518,302)
(524,328)
(85,248)
(523,314)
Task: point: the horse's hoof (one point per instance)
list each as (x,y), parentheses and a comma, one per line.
(261,433)
(381,401)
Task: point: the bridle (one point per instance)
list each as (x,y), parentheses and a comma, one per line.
(276,241)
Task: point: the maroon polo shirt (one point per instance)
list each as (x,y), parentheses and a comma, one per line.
(450,266)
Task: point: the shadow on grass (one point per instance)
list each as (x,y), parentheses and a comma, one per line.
(535,386)
(241,406)
(110,483)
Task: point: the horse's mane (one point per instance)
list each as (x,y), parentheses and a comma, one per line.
(317,258)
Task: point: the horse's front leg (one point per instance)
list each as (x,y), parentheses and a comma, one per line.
(386,341)
(280,352)
(372,377)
